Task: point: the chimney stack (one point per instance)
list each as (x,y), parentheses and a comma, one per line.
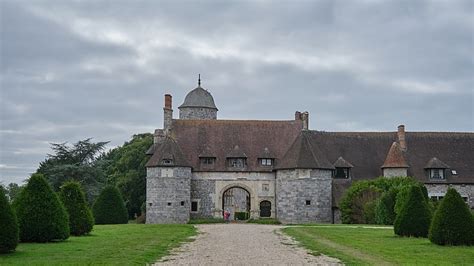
(167,113)
(297,115)
(305,118)
(401,137)
(168,103)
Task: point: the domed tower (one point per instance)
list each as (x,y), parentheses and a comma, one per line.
(198,105)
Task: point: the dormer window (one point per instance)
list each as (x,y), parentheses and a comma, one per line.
(342,172)
(266,162)
(437,173)
(207,161)
(237,162)
(167,162)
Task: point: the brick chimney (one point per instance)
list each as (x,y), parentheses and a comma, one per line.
(401,137)
(167,112)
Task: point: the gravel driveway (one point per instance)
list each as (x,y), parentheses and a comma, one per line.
(242,244)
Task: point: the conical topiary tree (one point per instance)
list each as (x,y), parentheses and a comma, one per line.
(453,223)
(109,207)
(8,225)
(41,215)
(415,216)
(80,215)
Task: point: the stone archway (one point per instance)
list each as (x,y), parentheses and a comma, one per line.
(237,201)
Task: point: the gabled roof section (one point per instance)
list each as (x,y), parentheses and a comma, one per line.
(436,163)
(207,153)
(395,157)
(303,155)
(236,152)
(266,154)
(342,163)
(167,149)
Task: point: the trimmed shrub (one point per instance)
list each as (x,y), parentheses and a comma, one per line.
(415,216)
(109,207)
(384,211)
(241,216)
(453,223)
(41,215)
(80,215)
(8,225)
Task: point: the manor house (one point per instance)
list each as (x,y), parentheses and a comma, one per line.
(201,165)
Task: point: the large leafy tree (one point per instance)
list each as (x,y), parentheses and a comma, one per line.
(125,167)
(80,215)
(41,215)
(76,162)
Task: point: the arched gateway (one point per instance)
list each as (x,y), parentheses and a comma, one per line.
(236,200)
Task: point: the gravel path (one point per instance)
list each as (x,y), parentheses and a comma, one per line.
(243,244)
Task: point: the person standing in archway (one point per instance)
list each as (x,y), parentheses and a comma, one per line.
(226,216)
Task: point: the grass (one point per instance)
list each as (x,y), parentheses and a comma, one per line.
(123,244)
(368,246)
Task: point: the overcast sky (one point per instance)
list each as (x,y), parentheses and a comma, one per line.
(71,70)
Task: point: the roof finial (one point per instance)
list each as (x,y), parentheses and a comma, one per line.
(199,81)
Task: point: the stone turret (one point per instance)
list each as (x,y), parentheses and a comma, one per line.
(168,188)
(198,105)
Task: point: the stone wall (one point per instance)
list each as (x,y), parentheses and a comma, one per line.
(304,196)
(197,113)
(168,193)
(465,190)
(203,191)
(394,172)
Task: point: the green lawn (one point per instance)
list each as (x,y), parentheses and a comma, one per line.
(357,245)
(123,244)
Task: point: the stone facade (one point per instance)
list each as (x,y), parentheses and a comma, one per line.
(304,195)
(168,194)
(199,113)
(439,190)
(203,193)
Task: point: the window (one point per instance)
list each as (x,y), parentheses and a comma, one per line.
(454,172)
(207,161)
(169,203)
(237,162)
(167,161)
(194,206)
(266,162)
(182,203)
(150,204)
(265,187)
(308,202)
(341,172)
(437,173)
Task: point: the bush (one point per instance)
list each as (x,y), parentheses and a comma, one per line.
(8,225)
(241,216)
(263,221)
(415,216)
(453,223)
(206,221)
(359,202)
(41,215)
(109,207)
(80,215)
(384,210)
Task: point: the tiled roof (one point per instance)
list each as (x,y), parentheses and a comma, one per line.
(395,157)
(436,163)
(199,97)
(342,163)
(167,149)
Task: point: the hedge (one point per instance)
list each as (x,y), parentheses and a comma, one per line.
(453,223)
(8,225)
(80,215)
(109,207)
(414,217)
(41,215)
